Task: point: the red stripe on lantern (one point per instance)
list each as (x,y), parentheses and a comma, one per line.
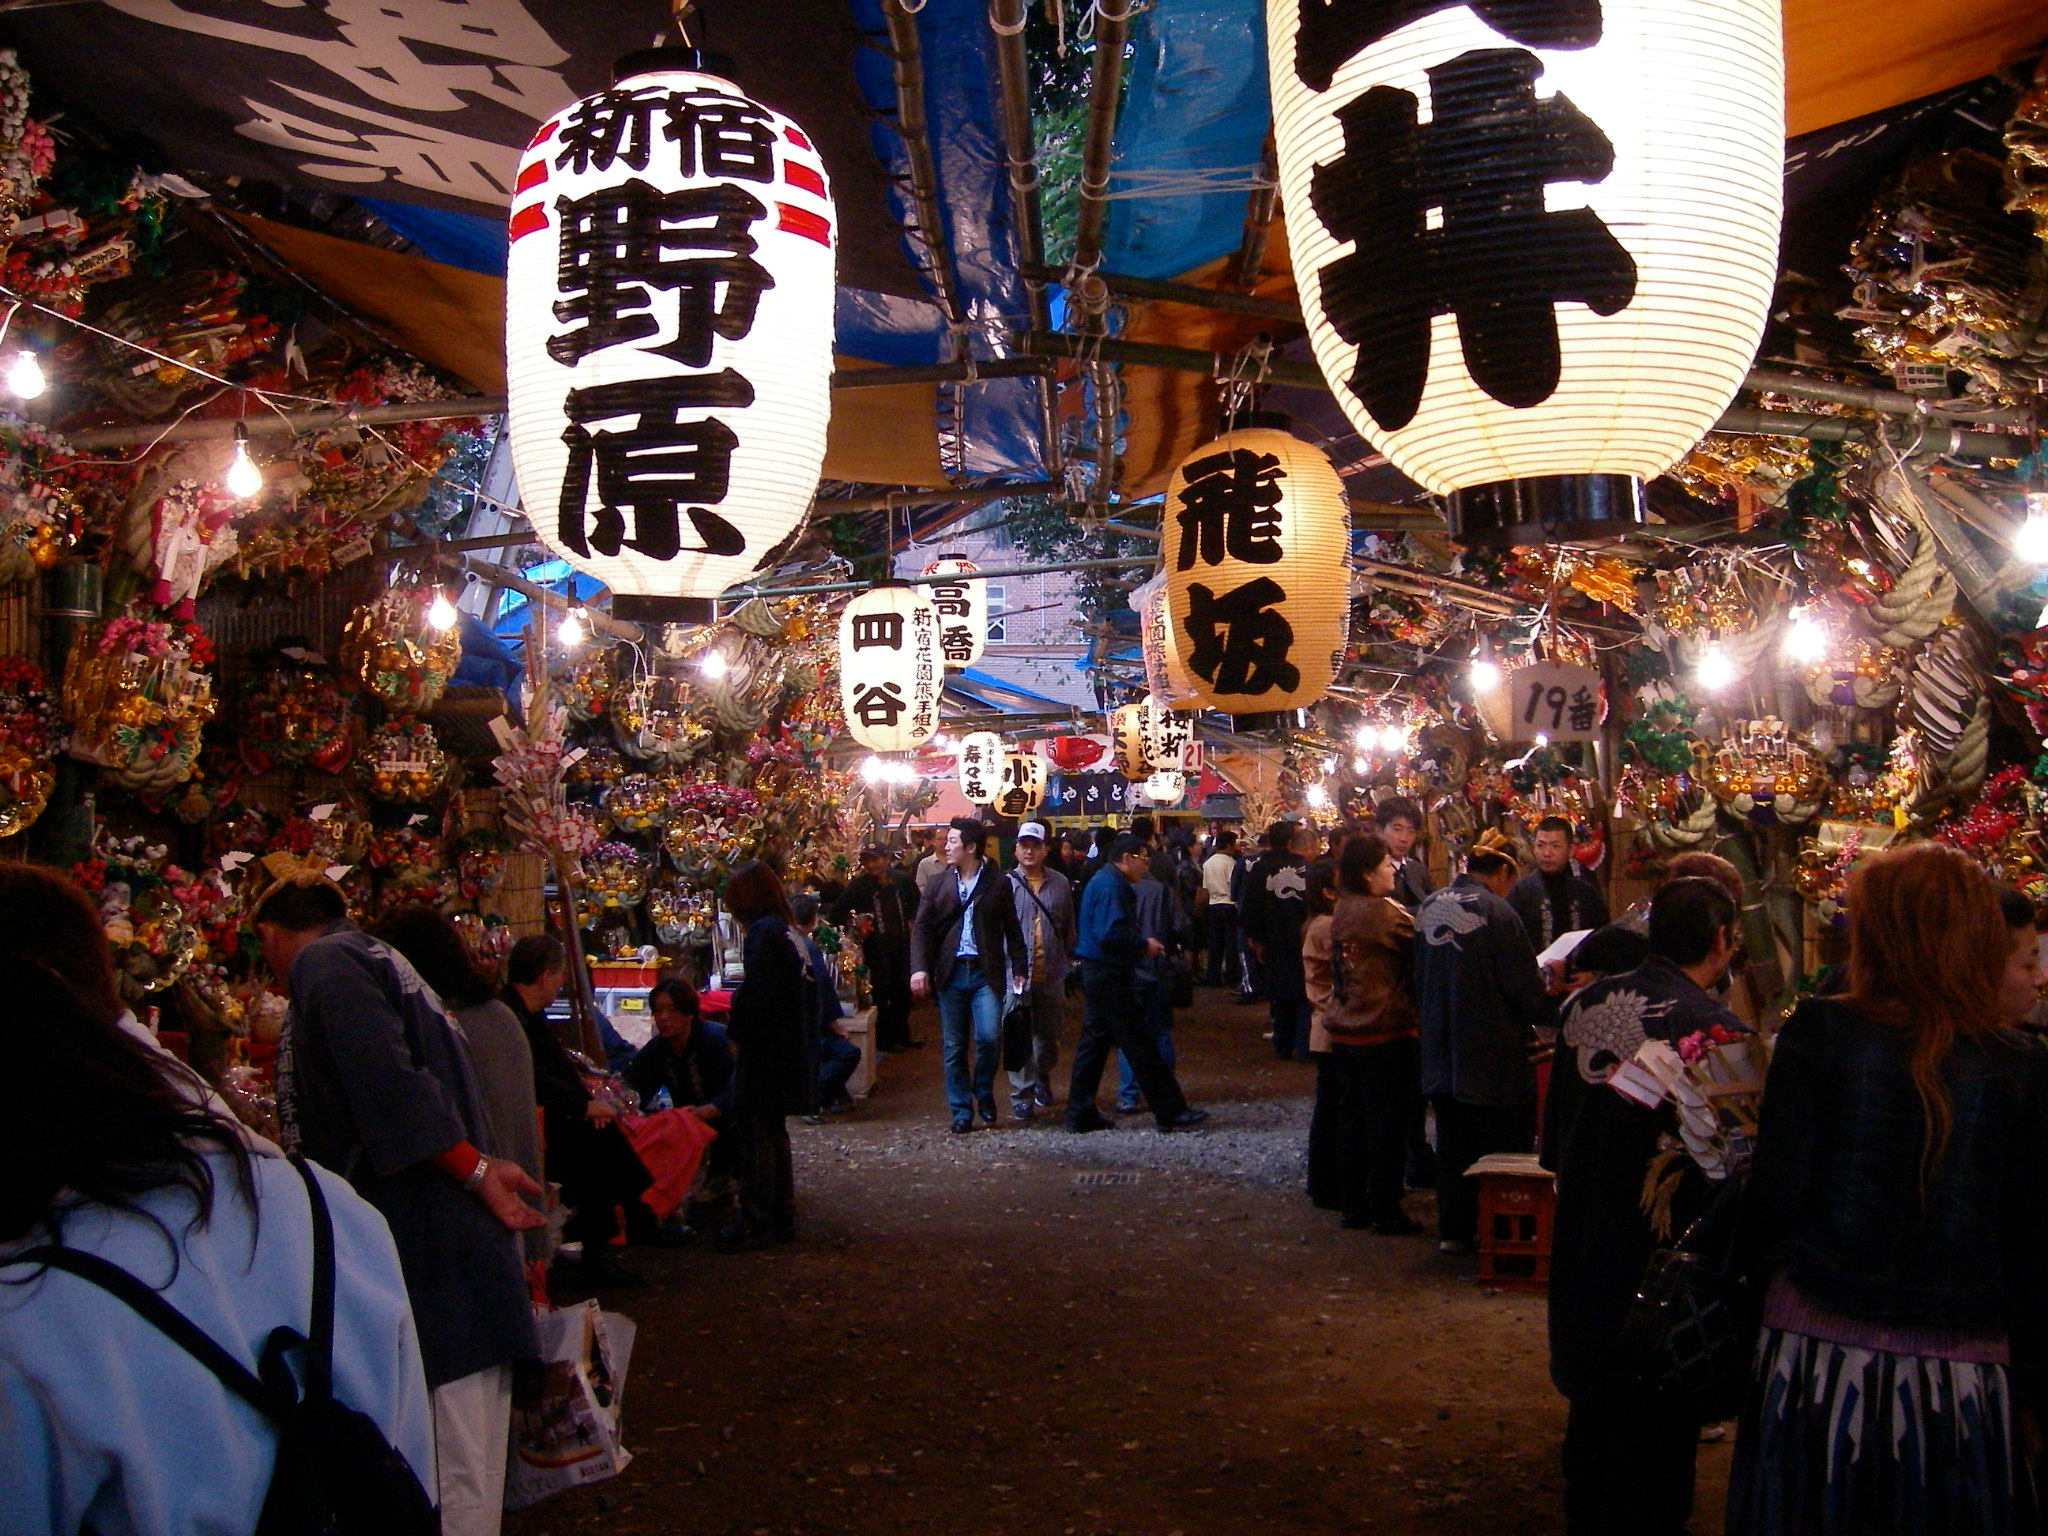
(526,220)
(803,178)
(543,131)
(798,221)
(796,136)
(531,175)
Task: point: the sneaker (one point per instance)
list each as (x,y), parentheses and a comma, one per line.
(1042,1097)
(1023,1110)
(1130,1106)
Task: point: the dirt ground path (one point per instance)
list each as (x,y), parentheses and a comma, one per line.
(1025,1331)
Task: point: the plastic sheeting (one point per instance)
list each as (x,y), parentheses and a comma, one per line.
(1195,115)
(985,429)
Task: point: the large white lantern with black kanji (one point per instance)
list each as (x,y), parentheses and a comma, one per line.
(668,333)
(981,767)
(889,668)
(1256,544)
(962,606)
(1535,243)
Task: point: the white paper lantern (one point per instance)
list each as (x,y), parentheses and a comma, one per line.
(962,607)
(1149,737)
(1127,731)
(1023,784)
(889,671)
(1540,251)
(1166,674)
(1257,535)
(668,333)
(981,767)
(1166,787)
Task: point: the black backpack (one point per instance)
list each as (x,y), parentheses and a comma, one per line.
(336,1474)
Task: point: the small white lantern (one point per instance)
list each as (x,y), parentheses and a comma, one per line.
(981,767)
(1257,538)
(668,333)
(1127,730)
(1168,736)
(1535,245)
(1023,784)
(962,608)
(889,668)
(1166,787)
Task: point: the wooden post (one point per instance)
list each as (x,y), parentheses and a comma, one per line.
(582,996)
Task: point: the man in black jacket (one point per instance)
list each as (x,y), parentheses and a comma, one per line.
(887,899)
(1628,1458)
(1274,911)
(972,963)
(1550,900)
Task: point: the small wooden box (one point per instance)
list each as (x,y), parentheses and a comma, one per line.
(1516,1202)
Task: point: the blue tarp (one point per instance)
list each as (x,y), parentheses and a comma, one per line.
(1195,115)
(462,240)
(998,430)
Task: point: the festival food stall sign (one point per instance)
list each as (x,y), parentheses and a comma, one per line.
(1258,584)
(669,333)
(889,668)
(1090,796)
(1536,243)
(1549,700)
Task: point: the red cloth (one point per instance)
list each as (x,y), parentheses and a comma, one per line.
(715,1006)
(671,1144)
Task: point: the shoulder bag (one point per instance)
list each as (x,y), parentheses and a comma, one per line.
(1691,1332)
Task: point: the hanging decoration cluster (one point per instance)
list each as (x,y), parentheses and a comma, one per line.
(669,293)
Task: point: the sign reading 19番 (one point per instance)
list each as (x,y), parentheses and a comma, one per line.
(1553,700)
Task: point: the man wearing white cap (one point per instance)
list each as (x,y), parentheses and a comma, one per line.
(1045,911)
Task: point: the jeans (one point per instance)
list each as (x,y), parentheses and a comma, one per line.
(838,1060)
(1033,1080)
(1155,1005)
(967,1003)
(1221,921)
(1464,1134)
(1290,1017)
(1116,1019)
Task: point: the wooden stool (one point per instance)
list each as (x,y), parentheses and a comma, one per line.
(1516,1202)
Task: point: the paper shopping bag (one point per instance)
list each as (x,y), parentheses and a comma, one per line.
(569,1434)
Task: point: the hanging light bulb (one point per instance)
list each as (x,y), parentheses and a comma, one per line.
(2031,543)
(1485,672)
(1542,741)
(713,665)
(873,769)
(1715,670)
(1367,736)
(243,478)
(572,630)
(1394,739)
(1806,639)
(25,378)
(1318,798)
(1360,766)
(441,613)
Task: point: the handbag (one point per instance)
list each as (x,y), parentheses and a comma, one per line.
(1017,1034)
(1691,1332)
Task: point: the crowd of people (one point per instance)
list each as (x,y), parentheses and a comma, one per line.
(1892,1227)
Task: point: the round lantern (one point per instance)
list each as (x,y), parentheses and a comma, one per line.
(1258,584)
(668,336)
(981,767)
(962,608)
(1168,735)
(1535,256)
(889,668)
(1023,784)
(1166,787)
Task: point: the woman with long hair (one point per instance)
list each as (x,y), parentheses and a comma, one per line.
(106,1152)
(774,1076)
(1897,1216)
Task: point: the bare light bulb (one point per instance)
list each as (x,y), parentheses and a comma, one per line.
(713,665)
(1485,673)
(1806,641)
(243,478)
(1367,736)
(1715,670)
(1360,766)
(25,378)
(1317,797)
(441,613)
(1394,739)
(2031,543)
(873,769)
(1542,741)
(571,631)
